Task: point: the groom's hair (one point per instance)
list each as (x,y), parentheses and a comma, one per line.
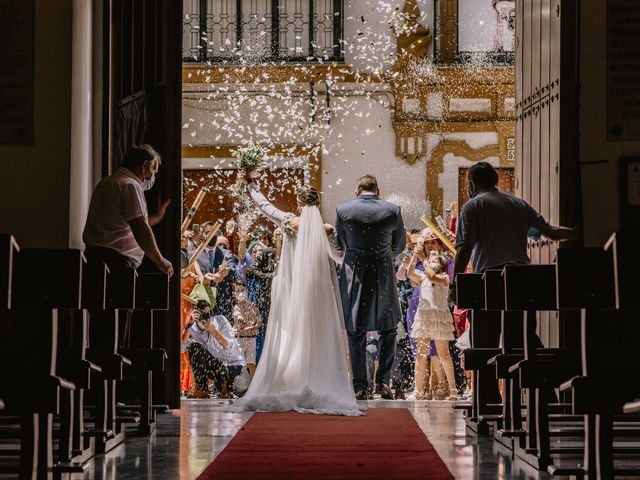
(367,183)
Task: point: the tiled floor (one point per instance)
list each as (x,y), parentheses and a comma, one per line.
(186,441)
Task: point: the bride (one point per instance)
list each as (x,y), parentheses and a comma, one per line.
(303,366)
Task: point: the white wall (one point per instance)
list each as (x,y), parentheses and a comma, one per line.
(363,142)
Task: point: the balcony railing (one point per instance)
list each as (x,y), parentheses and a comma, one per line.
(262,30)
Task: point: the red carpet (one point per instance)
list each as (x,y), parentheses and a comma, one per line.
(385,444)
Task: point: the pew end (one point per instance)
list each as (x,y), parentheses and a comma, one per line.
(8,250)
(625,256)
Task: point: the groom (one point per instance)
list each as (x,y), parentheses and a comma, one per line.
(371,234)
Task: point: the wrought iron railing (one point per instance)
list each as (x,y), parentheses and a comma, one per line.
(269,30)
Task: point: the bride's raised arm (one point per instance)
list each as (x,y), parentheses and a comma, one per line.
(266,207)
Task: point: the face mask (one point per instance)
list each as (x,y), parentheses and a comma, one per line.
(147,184)
(435,266)
(241,297)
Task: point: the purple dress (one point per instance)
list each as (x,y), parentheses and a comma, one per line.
(412,308)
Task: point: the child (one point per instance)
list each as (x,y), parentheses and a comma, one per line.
(433,320)
(247,323)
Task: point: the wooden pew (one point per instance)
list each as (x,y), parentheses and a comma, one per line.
(609,330)
(484,335)
(74,450)
(530,289)
(152,294)
(29,341)
(104,351)
(74,365)
(554,440)
(511,352)
(8,251)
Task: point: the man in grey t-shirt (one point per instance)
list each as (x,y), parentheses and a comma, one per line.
(493,225)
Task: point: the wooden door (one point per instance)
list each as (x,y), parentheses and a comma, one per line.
(142,62)
(547,169)
(277,186)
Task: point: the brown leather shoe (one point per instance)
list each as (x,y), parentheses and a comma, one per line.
(364,394)
(384,391)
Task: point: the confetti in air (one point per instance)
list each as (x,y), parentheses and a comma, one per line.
(243,100)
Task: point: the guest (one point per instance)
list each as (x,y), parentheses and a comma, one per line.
(118,228)
(191,243)
(247,324)
(493,226)
(197,237)
(225,299)
(213,351)
(453,219)
(433,243)
(211,257)
(414,294)
(403,365)
(261,273)
(229,233)
(433,319)
(404,362)
(187,283)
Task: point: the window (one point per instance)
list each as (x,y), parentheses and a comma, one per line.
(475,32)
(269,30)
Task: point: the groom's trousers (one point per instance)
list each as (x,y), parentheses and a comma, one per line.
(357,350)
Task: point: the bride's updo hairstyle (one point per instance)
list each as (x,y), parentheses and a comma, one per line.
(308,197)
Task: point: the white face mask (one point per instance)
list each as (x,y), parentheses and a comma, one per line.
(147,184)
(435,266)
(241,297)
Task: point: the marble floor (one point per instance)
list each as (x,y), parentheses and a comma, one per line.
(187,440)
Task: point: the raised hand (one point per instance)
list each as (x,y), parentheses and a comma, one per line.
(162,206)
(245,176)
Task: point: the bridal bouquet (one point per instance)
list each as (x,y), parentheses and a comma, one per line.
(250,158)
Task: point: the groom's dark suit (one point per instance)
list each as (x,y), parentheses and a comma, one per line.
(371,233)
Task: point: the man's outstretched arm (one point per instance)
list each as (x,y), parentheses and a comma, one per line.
(557,233)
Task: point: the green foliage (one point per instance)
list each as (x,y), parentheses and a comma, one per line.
(250,158)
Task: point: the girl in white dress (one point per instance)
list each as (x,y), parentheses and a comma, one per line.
(303,366)
(433,320)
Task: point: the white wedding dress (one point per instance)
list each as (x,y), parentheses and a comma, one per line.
(303,366)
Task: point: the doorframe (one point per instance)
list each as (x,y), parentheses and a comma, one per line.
(167,137)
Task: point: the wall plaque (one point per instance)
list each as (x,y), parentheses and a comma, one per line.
(623,70)
(17,31)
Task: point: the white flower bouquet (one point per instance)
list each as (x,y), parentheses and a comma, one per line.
(250,158)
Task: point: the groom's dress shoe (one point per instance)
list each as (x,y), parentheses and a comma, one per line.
(362,395)
(384,391)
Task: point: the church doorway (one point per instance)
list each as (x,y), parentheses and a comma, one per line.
(373,93)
